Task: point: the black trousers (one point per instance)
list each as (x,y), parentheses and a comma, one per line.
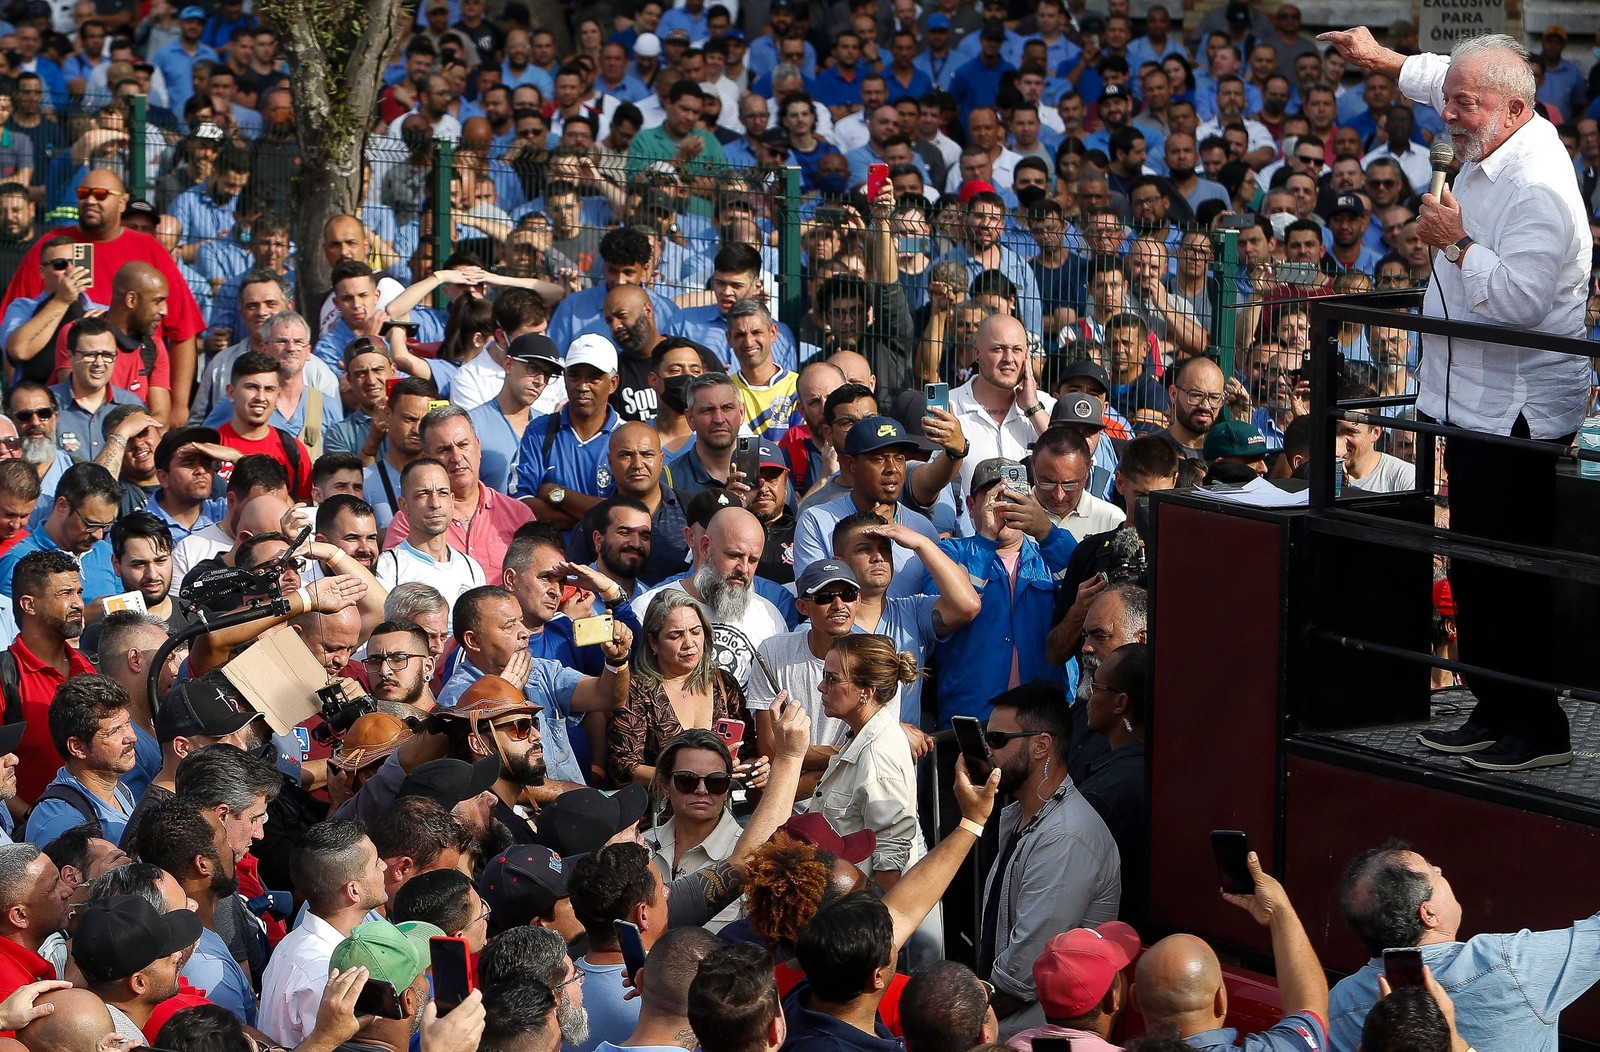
(1503,617)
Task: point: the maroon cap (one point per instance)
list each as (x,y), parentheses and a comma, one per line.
(814,828)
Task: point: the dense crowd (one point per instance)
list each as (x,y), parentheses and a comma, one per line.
(555,615)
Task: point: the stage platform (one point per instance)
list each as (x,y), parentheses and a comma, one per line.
(1577,782)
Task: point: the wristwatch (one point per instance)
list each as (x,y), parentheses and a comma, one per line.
(1454,252)
(557,495)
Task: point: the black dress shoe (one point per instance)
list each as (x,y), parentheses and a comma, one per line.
(1513,754)
(1469,737)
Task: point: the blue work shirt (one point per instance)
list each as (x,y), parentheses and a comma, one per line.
(708,327)
(813,541)
(202,215)
(349,434)
(1301,1032)
(1018,272)
(50,818)
(572,464)
(146,762)
(330,348)
(1509,988)
(80,432)
(550,685)
(974,663)
(213,971)
(581,313)
(977,83)
(380,487)
(908,621)
(94,565)
(832,89)
(500,444)
(212,511)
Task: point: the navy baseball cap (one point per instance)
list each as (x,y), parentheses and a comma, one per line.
(879,432)
(822,573)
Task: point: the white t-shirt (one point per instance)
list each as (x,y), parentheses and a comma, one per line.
(477,382)
(800,673)
(196,548)
(403,564)
(1392,475)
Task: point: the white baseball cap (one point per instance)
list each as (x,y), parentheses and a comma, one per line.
(592,350)
(648,45)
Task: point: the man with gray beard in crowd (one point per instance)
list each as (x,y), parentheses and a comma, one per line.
(721,581)
(535,953)
(1117,616)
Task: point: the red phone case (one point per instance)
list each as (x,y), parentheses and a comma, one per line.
(877,175)
(730,731)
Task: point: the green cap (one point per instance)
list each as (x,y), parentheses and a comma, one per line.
(1234,438)
(394,953)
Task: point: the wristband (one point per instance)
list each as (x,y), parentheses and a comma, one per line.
(304,592)
(1036,407)
(613,604)
(618,668)
(961,455)
(972,827)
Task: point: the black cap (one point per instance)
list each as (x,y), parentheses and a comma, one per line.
(11,736)
(703,505)
(777,138)
(141,208)
(582,820)
(1115,91)
(447,782)
(1347,203)
(533,347)
(524,882)
(200,706)
(1088,370)
(993,31)
(124,934)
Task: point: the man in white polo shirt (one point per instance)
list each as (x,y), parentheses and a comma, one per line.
(1001,409)
(1061,465)
(425,555)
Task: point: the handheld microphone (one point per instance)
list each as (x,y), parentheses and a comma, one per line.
(1440,157)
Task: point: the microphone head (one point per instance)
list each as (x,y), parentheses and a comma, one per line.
(1441,154)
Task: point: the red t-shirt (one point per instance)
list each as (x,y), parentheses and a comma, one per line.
(183,320)
(272,446)
(37,759)
(128,371)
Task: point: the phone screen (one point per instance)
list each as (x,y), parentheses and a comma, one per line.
(1231,848)
(631,945)
(1402,966)
(452,971)
(974,746)
(378,998)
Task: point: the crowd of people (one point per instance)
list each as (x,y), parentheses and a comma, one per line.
(638,615)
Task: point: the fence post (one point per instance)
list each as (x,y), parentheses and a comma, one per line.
(789,252)
(1227,301)
(138,175)
(444,155)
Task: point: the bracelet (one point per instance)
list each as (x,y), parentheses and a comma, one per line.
(618,668)
(612,604)
(304,592)
(1034,408)
(972,827)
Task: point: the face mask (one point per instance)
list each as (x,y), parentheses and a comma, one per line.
(910,245)
(675,392)
(834,184)
(1029,196)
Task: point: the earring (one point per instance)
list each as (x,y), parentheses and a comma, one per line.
(1127,725)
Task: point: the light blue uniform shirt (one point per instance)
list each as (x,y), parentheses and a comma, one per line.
(550,685)
(497,467)
(813,540)
(51,818)
(572,463)
(706,326)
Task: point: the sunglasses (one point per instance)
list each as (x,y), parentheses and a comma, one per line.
(516,730)
(99,193)
(687,782)
(58,264)
(827,598)
(998,739)
(23,416)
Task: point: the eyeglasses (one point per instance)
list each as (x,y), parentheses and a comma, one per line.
(90,525)
(988,989)
(577,977)
(1096,686)
(398,660)
(849,595)
(1065,487)
(23,416)
(516,730)
(1203,398)
(96,356)
(998,739)
(99,193)
(58,264)
(716,783)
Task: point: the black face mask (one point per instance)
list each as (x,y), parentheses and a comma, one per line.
(675,392)
(1029,196)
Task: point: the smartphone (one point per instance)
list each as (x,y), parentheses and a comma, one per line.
(1242,221)
(974,746)
(378,998)
(1299,273)
(1014,478)
(731,732)
(1232,848)
(133,600)
(83,256)
(748,460)
(1052,1044)
(1402,966)
(438,403)
(937,395)
(632,947)
(591,631)
(877,177)
(453,973)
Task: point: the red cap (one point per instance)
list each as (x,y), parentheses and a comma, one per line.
(1077,967)
(974,186)
(814,828)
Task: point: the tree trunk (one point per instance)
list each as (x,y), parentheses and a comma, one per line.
(337,50)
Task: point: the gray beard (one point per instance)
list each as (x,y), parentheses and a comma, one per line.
(573,1021)
(38,451)
(728,602)
(1088,665)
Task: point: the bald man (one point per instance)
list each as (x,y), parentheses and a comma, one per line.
(723,583)
(78,1021)
(631,319)
(139,295)
(346,237)
(856,368)
(635,459)
(100,206)
(1178,983)
(1001,409)
(331,638)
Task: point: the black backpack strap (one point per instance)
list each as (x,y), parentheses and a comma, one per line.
(11,687)
(291,449)
(552,428)
(72,795)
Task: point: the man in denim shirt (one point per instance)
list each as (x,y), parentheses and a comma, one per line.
(1509,990)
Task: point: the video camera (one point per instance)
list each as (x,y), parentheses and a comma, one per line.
(256,587)
(339,712)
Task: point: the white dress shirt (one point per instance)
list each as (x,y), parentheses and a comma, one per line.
(1010,438)
(1091,516)
(1527,269)
(291,987)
